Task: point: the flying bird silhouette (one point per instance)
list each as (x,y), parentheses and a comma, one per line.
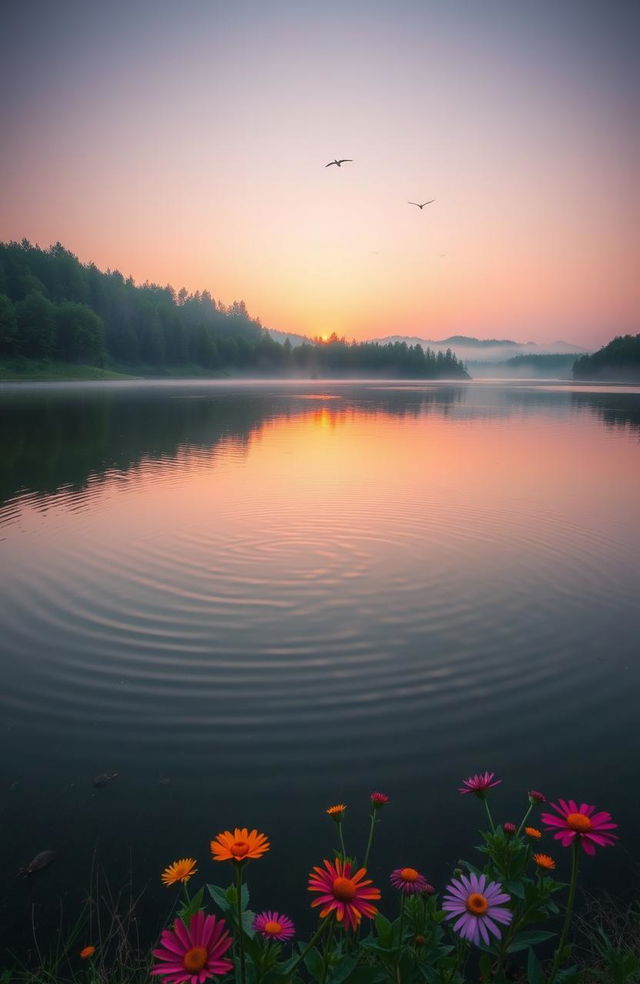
(423,204)
(342,160)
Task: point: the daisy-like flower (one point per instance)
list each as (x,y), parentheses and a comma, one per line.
(409,881)
(536,797)
(348,895)
(239,845)
(273,926)
(580,822)
(86,952)
(544,861)
(477,906)
(193,954)
(378,800)
(179,871)
(533,833)
(479,784)
(336,812)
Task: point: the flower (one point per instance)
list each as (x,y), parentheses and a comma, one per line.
(509,828)
(479,784)
(419,940)
(336,812)
(179,871)
(409,881)
(194,954)
(378,800)
(533,833)
(349,896)
(544,861)
(273,926)
(86,952)
(536,797)
(580,823)
(239,845)
(477,906)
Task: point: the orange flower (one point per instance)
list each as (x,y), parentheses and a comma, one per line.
(336,812)
(86,952)
(532,832)
(544,861)
(239,845)
(179,871)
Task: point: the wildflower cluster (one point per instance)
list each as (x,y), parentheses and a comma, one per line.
(476,928)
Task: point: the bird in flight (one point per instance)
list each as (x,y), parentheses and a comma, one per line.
(342,160)
(423,204)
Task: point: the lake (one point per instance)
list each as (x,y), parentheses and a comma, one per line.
(254,600)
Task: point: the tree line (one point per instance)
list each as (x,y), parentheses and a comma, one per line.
(52,306)
(619,360)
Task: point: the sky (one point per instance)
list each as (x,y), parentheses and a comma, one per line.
(185,142)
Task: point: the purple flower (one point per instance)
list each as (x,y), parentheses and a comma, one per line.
(477,905)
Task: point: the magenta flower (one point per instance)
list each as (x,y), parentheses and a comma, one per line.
(509,828)
(194,954)
(273,926)
(479,784)
(477,906)
(409,881)
(378,800)
(581,823)
(536,797)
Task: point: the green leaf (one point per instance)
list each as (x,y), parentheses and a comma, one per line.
(529,938)
(535,974)
(515,888)
(314,963)
(344,968)
(193,906)
(384,929)
(219,896)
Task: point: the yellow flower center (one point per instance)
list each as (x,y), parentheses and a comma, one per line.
(195,958)
(409,874)
(273,927)
(477,904)
(579,822)
(239,849)
(344,889)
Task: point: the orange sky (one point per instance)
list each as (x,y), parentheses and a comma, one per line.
(187,143)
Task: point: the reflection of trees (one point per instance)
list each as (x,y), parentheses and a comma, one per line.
(64,437)
(615,409)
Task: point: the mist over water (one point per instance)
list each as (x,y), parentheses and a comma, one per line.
(252,601)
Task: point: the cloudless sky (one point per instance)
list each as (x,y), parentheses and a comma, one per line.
(184,141)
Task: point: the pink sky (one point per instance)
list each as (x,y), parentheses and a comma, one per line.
(186,143)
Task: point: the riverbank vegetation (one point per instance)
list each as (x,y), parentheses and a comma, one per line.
(507,918)
(55,309)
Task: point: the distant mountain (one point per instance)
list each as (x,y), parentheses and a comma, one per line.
(480,350)
(618,361)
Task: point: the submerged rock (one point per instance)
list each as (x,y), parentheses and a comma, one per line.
(41,860)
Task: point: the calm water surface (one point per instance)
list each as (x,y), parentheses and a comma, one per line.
(252,601)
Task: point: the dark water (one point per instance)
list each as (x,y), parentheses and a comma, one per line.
(253,601)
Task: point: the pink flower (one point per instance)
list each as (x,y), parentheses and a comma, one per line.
(409,881)
(273,926)
(478,906)
(536,797)
(479,784)
(193,955)
(378,800)
(348,895)
(509,828)
(591,829)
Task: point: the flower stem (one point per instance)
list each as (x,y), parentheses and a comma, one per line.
(239,917)
(372,828)
(489,817)
(400,935)
(569,911)
(342,847)
(312,942)
(327,948)
(524,819)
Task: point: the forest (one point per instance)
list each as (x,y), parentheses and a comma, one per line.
(53,307)
(619,361)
